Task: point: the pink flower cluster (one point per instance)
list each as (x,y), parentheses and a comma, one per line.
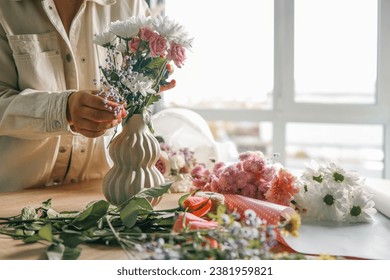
(175,162)
(158,45)
(251,176)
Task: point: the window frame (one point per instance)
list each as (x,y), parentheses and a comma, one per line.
(286,110)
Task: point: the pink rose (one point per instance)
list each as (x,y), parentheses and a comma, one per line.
(163,164)
(157,45)
(192,222)
(146,33)
(177,53)
(133,44)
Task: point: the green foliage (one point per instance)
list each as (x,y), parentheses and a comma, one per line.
(90,216)
(99,222)
(141,231)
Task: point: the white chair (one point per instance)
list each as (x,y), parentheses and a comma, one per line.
(183,128)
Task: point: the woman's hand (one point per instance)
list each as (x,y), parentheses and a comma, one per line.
(172,83)
(90,115)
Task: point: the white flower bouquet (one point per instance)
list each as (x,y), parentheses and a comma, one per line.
(328,193)
(139,52)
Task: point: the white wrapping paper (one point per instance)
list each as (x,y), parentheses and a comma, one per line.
(380,189)
(365,240)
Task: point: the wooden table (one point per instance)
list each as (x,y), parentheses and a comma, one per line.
(65,197)
(76,197)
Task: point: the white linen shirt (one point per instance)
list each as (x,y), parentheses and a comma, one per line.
(39,67)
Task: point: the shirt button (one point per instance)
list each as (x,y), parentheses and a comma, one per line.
(82,150)
(62,149)
(83,59)
(56,124)
(68,57)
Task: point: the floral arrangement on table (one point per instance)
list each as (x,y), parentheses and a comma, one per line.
(234,211)
(176,165)
(199,228)
(328,193)
(139,52)
(324,193)
(252,176)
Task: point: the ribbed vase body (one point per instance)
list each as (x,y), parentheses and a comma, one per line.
(134,153)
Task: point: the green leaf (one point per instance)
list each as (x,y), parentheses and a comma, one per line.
(153,99)
(90,216)
(155,191)
(33,226)
(71,253)
(156,63)
(72,239)
(129,213)
(46,204)
(183,198)
(62,252)
(55,251)
(46,233)
(145,205)
(111,76)
(32,239)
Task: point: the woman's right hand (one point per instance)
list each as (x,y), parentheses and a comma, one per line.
(90,115)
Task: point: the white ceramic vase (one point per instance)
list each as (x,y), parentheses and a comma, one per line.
(134,153)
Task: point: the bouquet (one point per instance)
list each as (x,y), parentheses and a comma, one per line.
(139,52)
(328,193)
(252,176)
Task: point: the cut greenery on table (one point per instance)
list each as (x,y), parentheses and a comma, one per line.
(145,233)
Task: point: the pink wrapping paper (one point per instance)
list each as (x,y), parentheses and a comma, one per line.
(271,212)
(268,211)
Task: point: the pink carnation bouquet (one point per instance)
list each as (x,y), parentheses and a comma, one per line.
(252,176)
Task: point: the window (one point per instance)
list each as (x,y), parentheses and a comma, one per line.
(335,51)
(263,72)
(231,65)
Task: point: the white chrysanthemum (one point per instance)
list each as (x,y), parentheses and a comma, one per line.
(104,39)
(184,41)
(121,46)
(171,30)
(361,207)
(328,202)
(125,29)
(312,173)
(344,179)
(300,199)
(141,84)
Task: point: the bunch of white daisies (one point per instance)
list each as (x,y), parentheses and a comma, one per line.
(329,193)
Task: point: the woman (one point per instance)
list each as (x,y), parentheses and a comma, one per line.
(52,126)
